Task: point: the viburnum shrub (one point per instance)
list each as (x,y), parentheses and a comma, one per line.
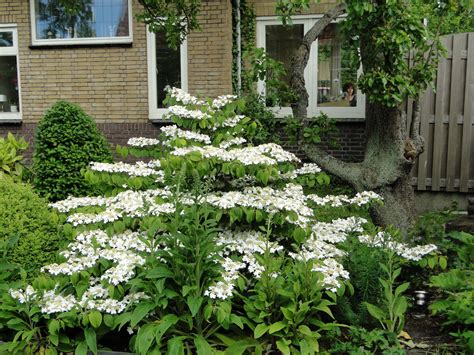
(67,140)
(208,244)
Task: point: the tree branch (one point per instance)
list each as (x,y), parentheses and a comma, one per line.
(415,136)
(350,172)
(300,60)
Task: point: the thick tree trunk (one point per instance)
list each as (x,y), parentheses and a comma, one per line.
(391,147)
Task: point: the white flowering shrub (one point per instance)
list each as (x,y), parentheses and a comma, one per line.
(208,243)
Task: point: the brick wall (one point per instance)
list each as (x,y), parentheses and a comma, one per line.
(110,82)
(267,7)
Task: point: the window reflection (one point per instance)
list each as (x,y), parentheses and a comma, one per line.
(168,67)
(8,84)
(6,39)
(68,19)
(336,76)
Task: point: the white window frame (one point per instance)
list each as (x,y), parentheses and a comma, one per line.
(155,114)
(356,113)
(78,41)
(10,52)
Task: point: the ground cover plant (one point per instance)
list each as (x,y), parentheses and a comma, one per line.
(208,245)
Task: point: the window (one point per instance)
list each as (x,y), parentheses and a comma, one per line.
(9,75)
(56,22)
(330,79)
(166,67)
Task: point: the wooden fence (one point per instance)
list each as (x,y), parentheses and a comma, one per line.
(447,119)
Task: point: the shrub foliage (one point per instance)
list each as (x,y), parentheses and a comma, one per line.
(26,218)
(67,140)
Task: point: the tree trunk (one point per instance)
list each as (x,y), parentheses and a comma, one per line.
(391,147)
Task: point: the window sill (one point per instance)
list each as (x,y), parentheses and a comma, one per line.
(10,117)
(81,42)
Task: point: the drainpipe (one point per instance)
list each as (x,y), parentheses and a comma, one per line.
(239,48)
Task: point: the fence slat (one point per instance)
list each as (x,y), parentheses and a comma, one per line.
(438,125)
(467,145)
(455,92)
(425,112)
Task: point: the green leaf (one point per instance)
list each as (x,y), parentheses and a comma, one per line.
(140,312)
(375,311)
(283,347)
(194,303)
(402,288)
(443,262)
(175,346)
(95,317)
(165,323)
(260,330)
(234,319)
(202,346)
(81,348)
(305,330)
(400,306)
(275,327)
(145,338)
(91,340)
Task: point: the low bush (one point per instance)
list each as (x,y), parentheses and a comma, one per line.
(26,219)
(67,140)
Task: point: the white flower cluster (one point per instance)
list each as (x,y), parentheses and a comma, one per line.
(385,241)
(231,142)
(228,122)
(143,142)
(183,97)
(90,246)
(336,231)
(138,169)
(361,198)
(223,100)
(129,202)
(307,168)
(23,296)
(332,272)
(54,303)
(174,132)
(223,289)
(270,200)
(264,154)
(183,112)
(75,202)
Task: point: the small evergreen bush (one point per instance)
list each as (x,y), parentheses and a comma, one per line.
(26,217)
(67,140)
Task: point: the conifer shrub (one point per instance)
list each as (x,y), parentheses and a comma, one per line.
(67,140)
(26,219)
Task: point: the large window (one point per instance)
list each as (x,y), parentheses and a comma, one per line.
(80,21)
(330,77)
(9,75)
(166,67)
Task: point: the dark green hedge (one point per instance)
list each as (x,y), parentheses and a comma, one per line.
(67,140)
(26,216)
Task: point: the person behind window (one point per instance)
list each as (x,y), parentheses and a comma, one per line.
(349,94)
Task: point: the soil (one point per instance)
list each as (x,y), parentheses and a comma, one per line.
(428,336)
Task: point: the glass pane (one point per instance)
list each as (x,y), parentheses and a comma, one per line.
(6,39)
(336,76)
(282,42)
(81,19)
(8,84)
(168,67)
